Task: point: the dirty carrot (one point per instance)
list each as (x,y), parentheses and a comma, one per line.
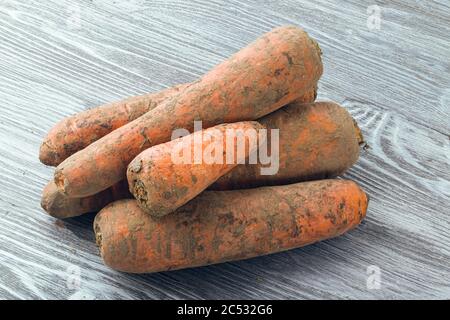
(273,71)
(316,141)
(302,128)
(60,206)
(74,133)
(166,176)
(220,226)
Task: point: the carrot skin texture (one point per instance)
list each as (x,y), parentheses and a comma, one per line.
(162,185)
(273,71)
(220,226)
(76,132)
(316,141)
(60,206)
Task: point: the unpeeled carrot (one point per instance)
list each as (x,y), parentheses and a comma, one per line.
(220,226)
(316,141)
(324,127)
(275,70)
(60,206)
(74,133)
(162,181)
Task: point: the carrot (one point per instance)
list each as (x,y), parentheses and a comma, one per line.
(324,127)
(275,70)
(74,133)
(60,206)
(316,141)
(220,226)
(161,183)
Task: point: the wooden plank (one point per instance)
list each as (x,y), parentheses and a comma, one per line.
(395,81)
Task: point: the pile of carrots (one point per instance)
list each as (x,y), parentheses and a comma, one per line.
(157,214)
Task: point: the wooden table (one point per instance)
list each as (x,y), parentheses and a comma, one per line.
(58,58)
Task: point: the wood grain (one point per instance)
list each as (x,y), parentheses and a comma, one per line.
(395,81)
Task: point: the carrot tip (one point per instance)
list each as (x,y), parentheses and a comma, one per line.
(139,191)
(98,235)
(316,44)
(98,231)
(60,181)
(359,134)
(44,204)
(48,155)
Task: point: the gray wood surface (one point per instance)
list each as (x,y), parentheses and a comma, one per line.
(60,57)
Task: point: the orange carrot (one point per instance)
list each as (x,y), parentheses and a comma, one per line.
(161,183)
(74,133)
(324,127)
(220,226)
(60,206)
(275,70)
(316,141)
